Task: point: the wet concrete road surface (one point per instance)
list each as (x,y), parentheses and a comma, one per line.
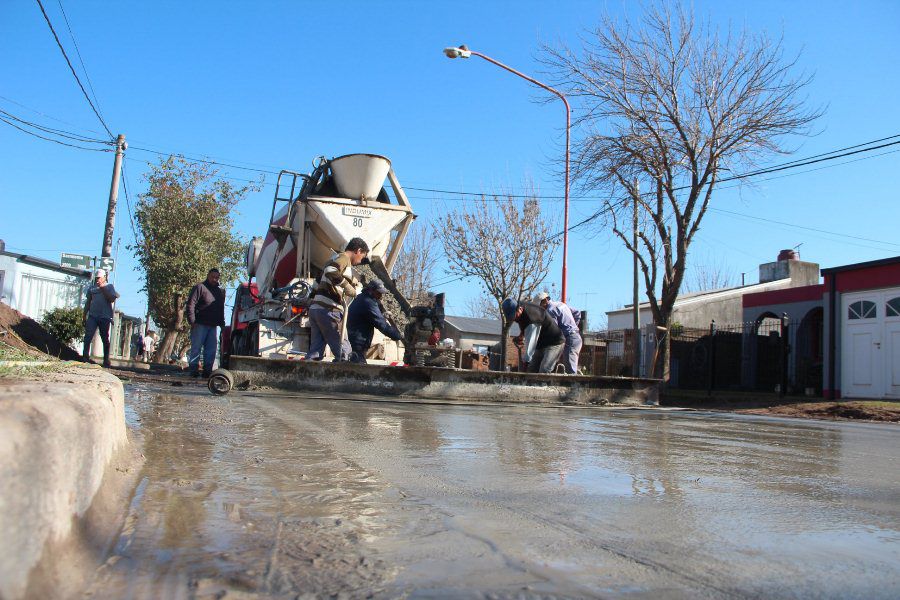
(264,495)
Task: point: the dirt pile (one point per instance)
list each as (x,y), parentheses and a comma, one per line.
(24,333)
(868,411)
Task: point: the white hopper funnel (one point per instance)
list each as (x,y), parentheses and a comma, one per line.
(360,176)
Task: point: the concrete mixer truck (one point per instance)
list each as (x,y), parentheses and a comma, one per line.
(313,217)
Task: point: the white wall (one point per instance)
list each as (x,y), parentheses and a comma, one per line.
(33,290)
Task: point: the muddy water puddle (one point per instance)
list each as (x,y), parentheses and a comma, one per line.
(264,495)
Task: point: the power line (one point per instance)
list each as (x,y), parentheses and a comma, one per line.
(22,129)
(71,68)
(78,52)
(800,163)
(51,117)
(52,130)
(204,160)
(814,229)
(128,202)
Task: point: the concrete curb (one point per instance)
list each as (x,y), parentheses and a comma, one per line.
(57,436)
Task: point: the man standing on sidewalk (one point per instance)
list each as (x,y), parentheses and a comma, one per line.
(98,314)
(205,311)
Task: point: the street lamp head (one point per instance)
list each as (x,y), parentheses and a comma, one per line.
(461,52)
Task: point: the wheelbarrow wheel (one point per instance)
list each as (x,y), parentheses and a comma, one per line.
(220,382)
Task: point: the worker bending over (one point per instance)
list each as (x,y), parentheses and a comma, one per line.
(565,319)
(364,316)
(541,336)
(326,313)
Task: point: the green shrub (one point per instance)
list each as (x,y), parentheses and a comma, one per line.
(65,324)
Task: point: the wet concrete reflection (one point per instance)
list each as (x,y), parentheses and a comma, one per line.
(275,496)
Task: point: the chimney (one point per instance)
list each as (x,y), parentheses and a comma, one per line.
(789,266)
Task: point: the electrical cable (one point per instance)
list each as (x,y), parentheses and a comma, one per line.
(11,124)
(795,226)
(128,202)
(204,160)
(51,117)
(71,68)
(78,52)
(52,130)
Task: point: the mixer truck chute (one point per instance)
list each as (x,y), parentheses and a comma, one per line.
(313,217)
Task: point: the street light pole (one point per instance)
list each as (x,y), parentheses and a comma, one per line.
(463,52)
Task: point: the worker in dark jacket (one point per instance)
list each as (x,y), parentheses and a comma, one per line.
(364,317)
(205,311)
(542,338)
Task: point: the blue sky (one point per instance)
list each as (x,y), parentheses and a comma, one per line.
(278,83)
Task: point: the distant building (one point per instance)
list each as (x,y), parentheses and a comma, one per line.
(469,333)
(33,285)
(725,305)
(845,334)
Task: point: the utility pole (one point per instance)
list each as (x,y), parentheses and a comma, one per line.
(637,311)
(121,145)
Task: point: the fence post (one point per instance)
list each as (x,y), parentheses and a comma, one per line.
(711,383)
(785,351)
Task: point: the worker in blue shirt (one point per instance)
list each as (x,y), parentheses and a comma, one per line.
(567,323)
(364,316)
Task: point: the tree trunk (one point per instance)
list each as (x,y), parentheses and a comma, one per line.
(661,365)
(166,345)
(504,335)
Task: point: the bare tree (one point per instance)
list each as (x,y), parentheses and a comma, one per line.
(504,243)
(482,306)
(414,269)
(712,274)
(667,109)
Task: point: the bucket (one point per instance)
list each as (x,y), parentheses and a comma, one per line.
(359,176)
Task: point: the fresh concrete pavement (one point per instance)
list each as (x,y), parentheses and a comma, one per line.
(274,494)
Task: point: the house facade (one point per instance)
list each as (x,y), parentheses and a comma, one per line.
(845,333)
(698,309)
(33,285)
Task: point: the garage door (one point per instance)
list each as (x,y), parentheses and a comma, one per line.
(870,350)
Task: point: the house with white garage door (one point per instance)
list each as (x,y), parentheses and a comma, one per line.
(845,333)
(862,308)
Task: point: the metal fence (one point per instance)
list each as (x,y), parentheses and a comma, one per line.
(738,356)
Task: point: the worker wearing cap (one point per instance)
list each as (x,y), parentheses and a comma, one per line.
(326,313)
(98,314)
(539,332)
(364,316)
(565,319)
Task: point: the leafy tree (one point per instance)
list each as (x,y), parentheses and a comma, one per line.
(504,243)
(64,324)
(185,222)
(667,109)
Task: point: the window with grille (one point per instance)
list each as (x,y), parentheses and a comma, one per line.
(864,309)
(892,307)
